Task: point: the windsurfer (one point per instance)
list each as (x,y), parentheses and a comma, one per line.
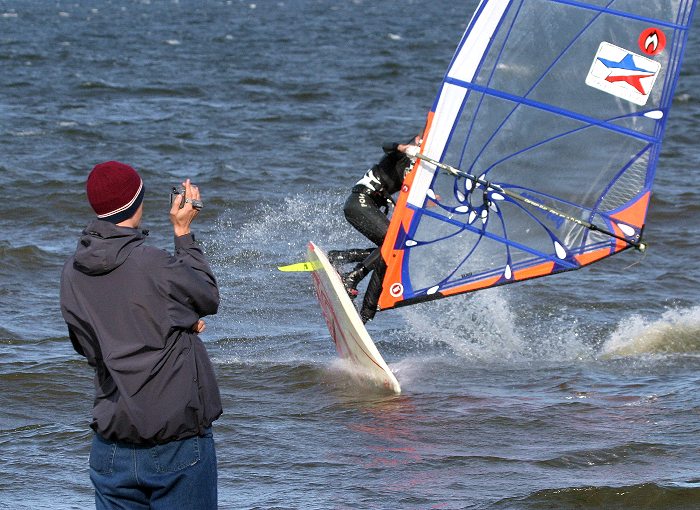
(366,209)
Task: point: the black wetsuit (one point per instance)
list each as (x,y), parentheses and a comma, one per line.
(372,193)
(366,209)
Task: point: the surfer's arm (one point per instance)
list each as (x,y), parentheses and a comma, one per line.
(401,147)
(388,148)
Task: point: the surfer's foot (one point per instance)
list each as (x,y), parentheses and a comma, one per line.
(367,314)
(352,279)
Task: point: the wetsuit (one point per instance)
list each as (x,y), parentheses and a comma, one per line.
(366,209)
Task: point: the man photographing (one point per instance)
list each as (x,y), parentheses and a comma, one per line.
(135,312)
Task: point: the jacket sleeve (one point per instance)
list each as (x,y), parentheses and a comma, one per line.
(189,282)
(77,329)
(75,342)
(205,294)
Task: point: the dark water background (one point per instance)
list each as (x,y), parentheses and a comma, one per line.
(578,391)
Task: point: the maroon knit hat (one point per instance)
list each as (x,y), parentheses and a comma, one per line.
(114,191)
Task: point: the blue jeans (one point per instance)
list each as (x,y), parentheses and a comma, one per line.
(173,476)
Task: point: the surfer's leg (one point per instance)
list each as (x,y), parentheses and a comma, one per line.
(352,279)
(366,216)
(374,289)
(347,256)
(363,213)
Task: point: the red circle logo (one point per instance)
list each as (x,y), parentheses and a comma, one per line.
(396,290)
(652,41)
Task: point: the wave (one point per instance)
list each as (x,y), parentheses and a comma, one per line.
(184,90)
(646,496)
(24,258)
(676,331)
(610,456)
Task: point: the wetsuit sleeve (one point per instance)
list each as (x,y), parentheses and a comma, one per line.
(388,148)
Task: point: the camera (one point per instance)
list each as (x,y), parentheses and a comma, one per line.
(175,192)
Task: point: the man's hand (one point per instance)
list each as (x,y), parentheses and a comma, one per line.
(410,149)
(181,217)
(199,327)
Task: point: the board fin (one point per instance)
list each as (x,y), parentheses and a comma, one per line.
(298,267)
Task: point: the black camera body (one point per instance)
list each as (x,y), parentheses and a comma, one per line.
(175,192)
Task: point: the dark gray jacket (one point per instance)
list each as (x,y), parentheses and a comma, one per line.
(130,309)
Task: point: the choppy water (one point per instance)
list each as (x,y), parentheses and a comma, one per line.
(572,392)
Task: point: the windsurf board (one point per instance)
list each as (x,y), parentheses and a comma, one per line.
(352,341)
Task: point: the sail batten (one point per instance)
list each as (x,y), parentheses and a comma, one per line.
(553,113)
(673,25)
(523,100)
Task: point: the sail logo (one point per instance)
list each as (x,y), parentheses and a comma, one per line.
(652,41)
(396,290)
(623,74)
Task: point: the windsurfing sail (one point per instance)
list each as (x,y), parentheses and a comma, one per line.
(539,152)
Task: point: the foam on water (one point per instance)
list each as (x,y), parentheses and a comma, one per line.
(486,327)
(350,376)
(301,217)
(676,331)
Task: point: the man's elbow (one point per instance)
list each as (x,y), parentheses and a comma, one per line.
(210,306)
